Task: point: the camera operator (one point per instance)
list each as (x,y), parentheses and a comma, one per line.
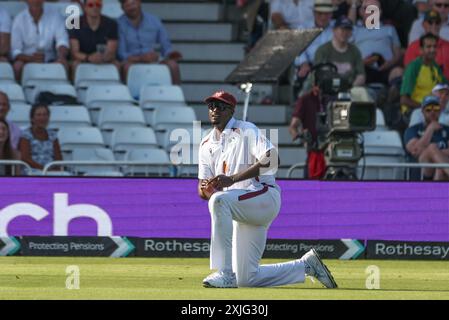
(304,121)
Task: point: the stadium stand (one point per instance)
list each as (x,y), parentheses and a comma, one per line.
(116,115)
(147,74)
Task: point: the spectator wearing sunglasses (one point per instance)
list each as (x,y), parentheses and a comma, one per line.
(420,76)
(96,40)
(417,30)
(38,35)
(140,34)
(431,24)
(428,141)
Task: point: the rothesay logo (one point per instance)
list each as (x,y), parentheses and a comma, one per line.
(62,216)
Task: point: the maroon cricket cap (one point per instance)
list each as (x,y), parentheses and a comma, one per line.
(223,96)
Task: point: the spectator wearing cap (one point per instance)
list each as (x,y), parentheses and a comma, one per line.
(5,34)
(428,141)
(344,55)
(421,76)
(96,40)
(380,48)
(431,24)
(39,35)
(292,14)
(417,30)
(322,12)
(140,35)
(441,91)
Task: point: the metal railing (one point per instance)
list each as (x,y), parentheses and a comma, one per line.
(14,164)
(123,166)
(393,165)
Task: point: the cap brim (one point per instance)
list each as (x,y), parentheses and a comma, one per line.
(324,9)
(211,98)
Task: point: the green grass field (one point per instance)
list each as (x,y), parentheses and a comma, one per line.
(155,279)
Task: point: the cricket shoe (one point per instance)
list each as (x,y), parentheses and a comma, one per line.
(316,268)
(220,280)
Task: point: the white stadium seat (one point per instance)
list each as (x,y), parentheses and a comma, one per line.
(6,73)
(157,159)
(115,117)
(125,139)
(380,120)
(99,96)
(379,173)
(69,116)
(84,137)
(88,74)
(147,74)
(383,143)
(97,154)
(42,73)
(14,92)
(153,97)
(20,115)
(60,88)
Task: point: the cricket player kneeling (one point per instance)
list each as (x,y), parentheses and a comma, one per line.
(236,174)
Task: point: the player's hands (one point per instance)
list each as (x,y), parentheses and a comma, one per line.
(221,181)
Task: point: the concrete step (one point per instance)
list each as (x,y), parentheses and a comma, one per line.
(211,51)
(184,11)
(197,92)
(200,31)
(215,72)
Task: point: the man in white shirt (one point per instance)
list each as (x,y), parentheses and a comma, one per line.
(442,6)
(38,35)
(292,14)
(236,175)
(322,12)
(5,34)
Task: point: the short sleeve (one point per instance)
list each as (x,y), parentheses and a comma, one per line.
(204,167)
(410,134)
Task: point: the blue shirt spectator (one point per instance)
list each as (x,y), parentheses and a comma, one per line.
(145,38)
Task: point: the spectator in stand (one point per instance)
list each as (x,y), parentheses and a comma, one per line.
(422,6)
(380,48)
(344,55)
(96,40)
(420,76)
(14,130)
(38,146)
(292,14)
(441,91)
(431,24)
(428,141)
(140,34)
(442,7)
(322,11)
(5,35)
(38,35)
(6,151)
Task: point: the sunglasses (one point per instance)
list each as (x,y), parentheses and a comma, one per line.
(434,23)
(440,5)
(221,106)
(96,4)
(435,108)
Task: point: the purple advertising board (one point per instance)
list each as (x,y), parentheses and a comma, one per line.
(170,208)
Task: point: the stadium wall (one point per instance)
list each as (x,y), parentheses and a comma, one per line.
(170,208)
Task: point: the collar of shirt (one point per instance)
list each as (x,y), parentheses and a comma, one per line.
(229,125)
